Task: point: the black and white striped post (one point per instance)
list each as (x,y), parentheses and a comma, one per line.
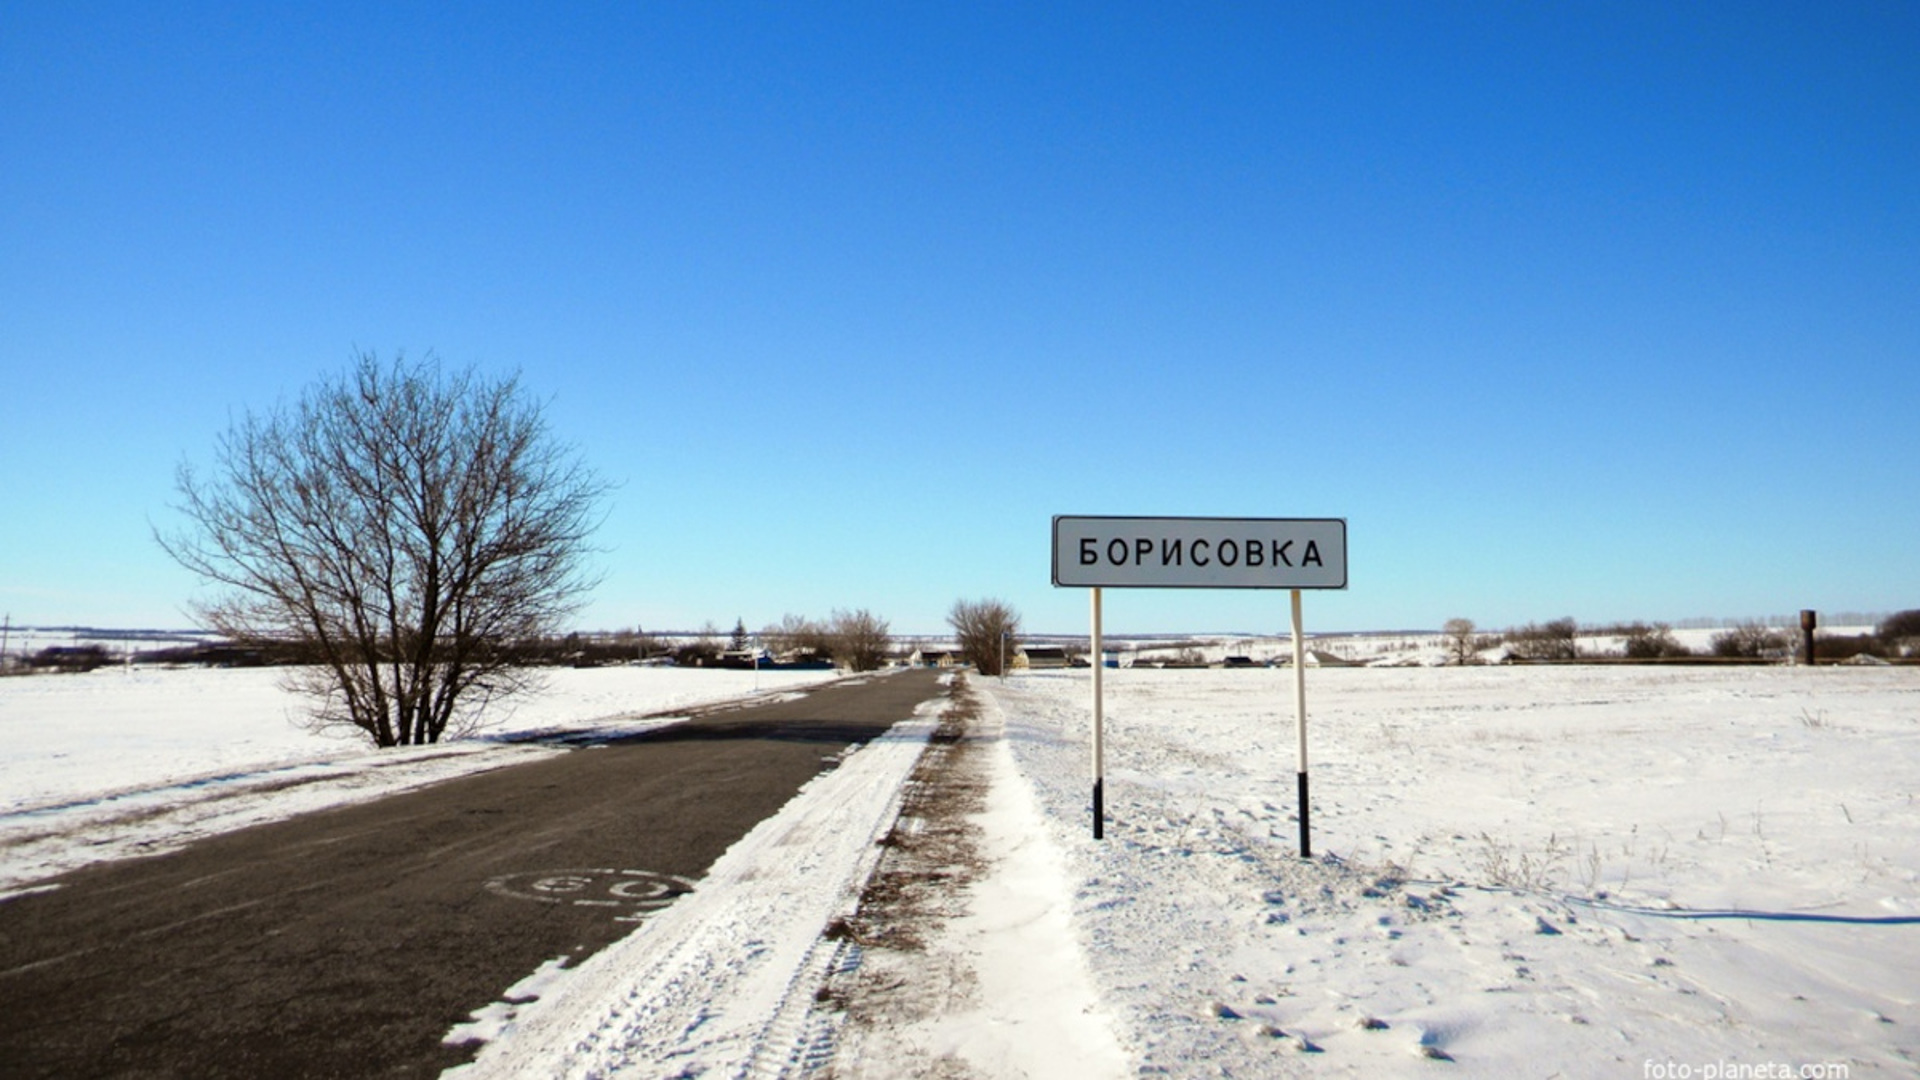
(1099,729)
(1300,723)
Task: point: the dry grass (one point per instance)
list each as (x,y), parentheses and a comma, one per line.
(932,852)
(932,855)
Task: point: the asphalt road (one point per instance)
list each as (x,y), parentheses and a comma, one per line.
(348,942)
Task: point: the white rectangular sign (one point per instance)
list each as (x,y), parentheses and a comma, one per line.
(1200,553)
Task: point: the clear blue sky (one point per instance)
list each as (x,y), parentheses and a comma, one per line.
(1603,310)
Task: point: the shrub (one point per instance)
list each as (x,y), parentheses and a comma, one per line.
(1846,647)
(1654,642)
(860,639)
(795,636)
(702,653)
(1900,632)
(1551,641)
(1751,641)
(985,629)
(70,657)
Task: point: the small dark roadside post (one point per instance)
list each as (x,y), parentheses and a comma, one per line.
(1808,620)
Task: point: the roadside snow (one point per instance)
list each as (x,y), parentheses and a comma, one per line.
(1036,1012)
(962,958)
(1040,1013)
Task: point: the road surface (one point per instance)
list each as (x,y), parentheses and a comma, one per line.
(348,942)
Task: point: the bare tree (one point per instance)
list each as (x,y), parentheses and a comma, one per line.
(1752,640)
(860,639)
(980,625)
(795,634)
(639,642)
(1654,642)
(1461,645)
(1556,640)
(1900,632)
(400,525)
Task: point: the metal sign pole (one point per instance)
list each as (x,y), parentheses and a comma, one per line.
(1300,720)
(1099,720)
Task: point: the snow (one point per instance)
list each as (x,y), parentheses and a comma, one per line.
(1038,1012)
(999,986)
(1533,870)
(1582,870)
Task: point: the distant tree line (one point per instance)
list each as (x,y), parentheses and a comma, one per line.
(69,658)
(860,641)
(853,639)
(1895,637)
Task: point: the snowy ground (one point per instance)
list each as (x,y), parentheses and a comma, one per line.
(1534,872)
(1576,871)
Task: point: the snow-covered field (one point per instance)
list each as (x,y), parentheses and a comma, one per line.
(1571,871)
(1574,871)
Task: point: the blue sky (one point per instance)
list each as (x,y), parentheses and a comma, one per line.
(1602,310)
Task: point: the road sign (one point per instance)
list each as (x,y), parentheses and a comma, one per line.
(1200,553)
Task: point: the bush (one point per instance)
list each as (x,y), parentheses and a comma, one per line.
(985,629)
(1654,642)
(796,636)
(702,653)
(860,639)
(1846,647)
(70,657)
(1900,632)
(1752,641)
(1551,641)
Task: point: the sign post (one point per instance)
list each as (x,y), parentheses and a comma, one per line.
(1300,723)
(1099,729)
(1200,553)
